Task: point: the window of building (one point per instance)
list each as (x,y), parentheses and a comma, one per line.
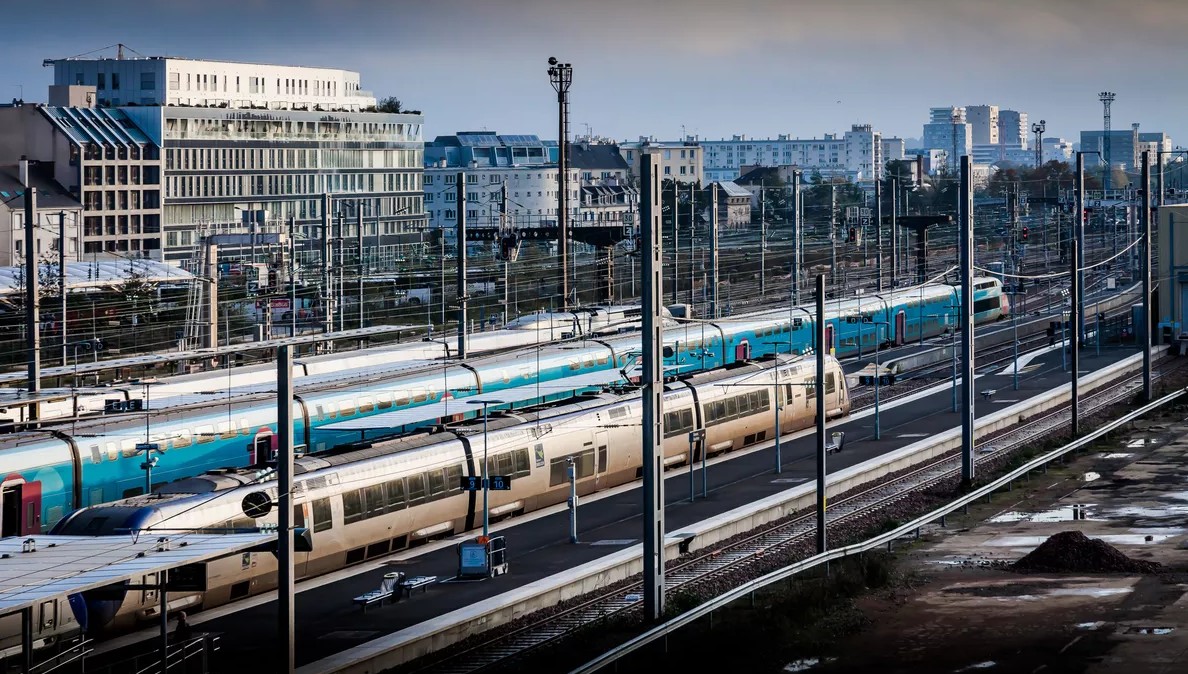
(115,80)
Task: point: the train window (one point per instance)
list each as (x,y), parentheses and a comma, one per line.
(617,412)
(374,500)
(558,473)
(436,481)
(731,407)
(574,364)
(503,375)
(985,305)
(453,478)
(182,439)
(810,387)
(687,419)
(226,430)
(394,491)
(323,517)
(420,396)
(584,464)
(96,457)
(603,360)
(503,464)
(352,507)
(366,405)
(128,448)
(244,427)
(523,467)
(346,408)
(95,525)
(205,434)
(384,400)
(602,456)
(402,398)
(113,452)
(416,489)
(830,383)
(764,399)
(299,515)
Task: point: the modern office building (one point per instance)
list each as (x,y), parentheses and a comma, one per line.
(983,121)
(1014,129)
(1124,148)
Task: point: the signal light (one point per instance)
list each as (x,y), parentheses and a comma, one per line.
(1024,234)
(852,237)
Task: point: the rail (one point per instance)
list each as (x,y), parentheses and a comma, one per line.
(887,538)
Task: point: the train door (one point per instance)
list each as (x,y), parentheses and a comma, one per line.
(900,326)
(742,352)
(828,339)
(600,454)
(20,512)
(262,448)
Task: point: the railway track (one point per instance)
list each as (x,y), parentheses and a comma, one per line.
(738,556)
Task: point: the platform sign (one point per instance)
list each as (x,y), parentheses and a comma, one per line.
(471,483)
(500,482)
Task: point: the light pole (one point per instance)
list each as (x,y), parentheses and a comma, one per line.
(561,77)
(147,447)
(486,486)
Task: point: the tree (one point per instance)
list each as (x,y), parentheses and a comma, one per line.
(389,104)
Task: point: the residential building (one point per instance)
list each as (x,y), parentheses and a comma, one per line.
(1014,130)
(54,204)
(859,154)
(608,204)
(983,121)
(756,179)
(894,149)
(681,161)
(599,163)
(948,129)
(105,161)
(167,80)
(487,148)
(1155,142)
(734,204)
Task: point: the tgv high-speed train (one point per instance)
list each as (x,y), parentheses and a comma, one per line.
(49,474)
(528,330)
(364,503)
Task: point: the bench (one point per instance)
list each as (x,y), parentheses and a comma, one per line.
(988,394)
(422,582)
(389,589)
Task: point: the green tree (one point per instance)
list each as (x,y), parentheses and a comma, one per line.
(389,104)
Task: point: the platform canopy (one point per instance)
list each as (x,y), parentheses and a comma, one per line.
(64,565)
(97,274)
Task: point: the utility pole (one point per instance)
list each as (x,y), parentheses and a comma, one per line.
(653,386)
(797,247)
(285,589)
(292,277)
(1038,129)
(1075,354)
(1079,241)
(340,249)
(822,452)
(1145,329)
(693,240)
(715,309)
(32,302)
(561,77)
(362,269)
(894,233)
(327,303)
(62,278)
(461,245)
(762,239)
(965,213)
(879,232)
(1106,98)
(833,234)
(676,244)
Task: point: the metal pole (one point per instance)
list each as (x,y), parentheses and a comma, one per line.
(327,305)
(879,233)
(284,473)
(894,231)
(292,278)
(762,241)
(715,308)
(1075,348)
(691,463)
(797,247)
(965,213)
(163,610)
(561,77)
(676,244)
(776,406)
(486,508)
(1079,243)
(1144,331)
(462,289)
(62,278)
(822,542)
(359,224)
(32,301)
(1158,179)
(693,242)
(878,375)
(833,235)
(340,248)
(653,385)
(573,501)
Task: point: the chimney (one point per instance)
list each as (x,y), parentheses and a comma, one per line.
(24,170)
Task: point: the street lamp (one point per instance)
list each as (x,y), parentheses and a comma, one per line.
(486,509)
(561,77)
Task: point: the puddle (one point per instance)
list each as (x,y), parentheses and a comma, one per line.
(1137,444)
(1113,539)
(1091,626)
(1091,476)
(1157,631)
(1116,455)
(633,597)
(1066,514)
(802,665)
(981,665)
(1152,512)
(1088,591)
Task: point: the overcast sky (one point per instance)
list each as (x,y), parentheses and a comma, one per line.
(647,67)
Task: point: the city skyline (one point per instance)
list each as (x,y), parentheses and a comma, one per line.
(760,68)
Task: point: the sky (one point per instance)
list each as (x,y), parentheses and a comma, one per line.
(660,67)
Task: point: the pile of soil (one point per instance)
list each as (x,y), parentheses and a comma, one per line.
(1074,552)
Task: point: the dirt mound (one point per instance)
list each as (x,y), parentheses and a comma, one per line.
(1073,551)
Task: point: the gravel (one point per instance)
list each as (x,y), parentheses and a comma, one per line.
(1073,551)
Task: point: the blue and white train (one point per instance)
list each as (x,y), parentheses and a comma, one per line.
(50,473)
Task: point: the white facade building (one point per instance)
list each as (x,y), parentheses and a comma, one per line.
(682,161)
(860,154)
(192,82)
(983,121)
(949,130)
(531,195)
(1014,129)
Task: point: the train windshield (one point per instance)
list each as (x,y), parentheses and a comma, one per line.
(103,521)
